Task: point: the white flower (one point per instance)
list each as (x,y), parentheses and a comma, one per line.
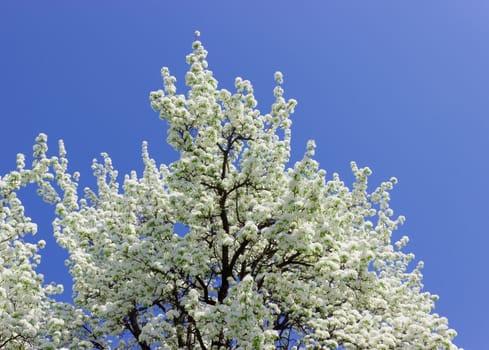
(279,78)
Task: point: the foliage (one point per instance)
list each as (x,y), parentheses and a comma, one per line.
(271,258)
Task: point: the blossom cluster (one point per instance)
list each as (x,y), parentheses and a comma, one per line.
(271,257)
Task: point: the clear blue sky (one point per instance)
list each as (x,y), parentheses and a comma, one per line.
(400,86)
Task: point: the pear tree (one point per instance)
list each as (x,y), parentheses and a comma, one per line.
(225,248)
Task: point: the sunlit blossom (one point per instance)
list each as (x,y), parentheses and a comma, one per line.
(225,248)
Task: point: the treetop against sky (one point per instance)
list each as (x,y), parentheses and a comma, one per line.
(271,257)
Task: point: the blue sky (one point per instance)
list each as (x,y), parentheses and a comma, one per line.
(399,86)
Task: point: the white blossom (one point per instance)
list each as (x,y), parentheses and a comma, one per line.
(271,257)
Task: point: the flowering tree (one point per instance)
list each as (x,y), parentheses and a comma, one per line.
(271,258)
